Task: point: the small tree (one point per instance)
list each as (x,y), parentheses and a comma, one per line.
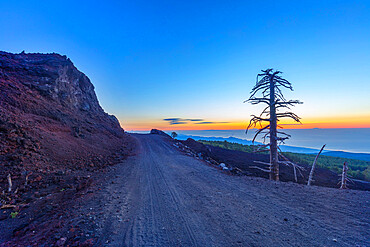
(269,85)
(173,135)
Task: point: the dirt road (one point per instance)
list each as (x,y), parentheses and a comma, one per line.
(162,197)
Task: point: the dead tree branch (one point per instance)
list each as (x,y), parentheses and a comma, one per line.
(263,163)
(295,166)
(310,177)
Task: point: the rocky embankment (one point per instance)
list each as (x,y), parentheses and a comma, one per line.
(53,131)
(243,163)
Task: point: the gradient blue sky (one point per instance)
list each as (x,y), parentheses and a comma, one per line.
(151,60)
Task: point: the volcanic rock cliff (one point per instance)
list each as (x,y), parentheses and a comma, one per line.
(50,118)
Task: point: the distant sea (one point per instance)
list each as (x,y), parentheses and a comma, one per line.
(349,140)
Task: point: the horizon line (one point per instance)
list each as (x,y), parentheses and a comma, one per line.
(169,129)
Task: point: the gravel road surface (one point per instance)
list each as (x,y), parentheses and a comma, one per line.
(162,197)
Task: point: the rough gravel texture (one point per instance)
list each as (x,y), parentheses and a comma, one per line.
(163,198)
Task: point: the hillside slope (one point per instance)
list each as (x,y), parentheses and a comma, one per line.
(51,121)
(246,162)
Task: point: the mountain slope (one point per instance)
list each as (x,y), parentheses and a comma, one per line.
(51,120)
(342,154)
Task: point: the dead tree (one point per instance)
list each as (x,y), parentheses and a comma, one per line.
(269,84)
(310,177)
(344,179)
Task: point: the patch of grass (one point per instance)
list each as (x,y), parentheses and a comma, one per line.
(14,214)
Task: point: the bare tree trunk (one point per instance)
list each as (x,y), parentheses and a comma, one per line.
(273,133)
(295,174)
(344,176)
(313,166)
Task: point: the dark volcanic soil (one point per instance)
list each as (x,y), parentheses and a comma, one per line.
(245,162)
(161,197)
(53,132)
(50,116)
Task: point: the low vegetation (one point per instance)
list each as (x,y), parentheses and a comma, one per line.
(358,169)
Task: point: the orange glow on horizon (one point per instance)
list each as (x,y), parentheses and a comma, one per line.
(329,123)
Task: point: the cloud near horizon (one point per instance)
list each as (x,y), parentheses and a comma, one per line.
(212,122)
(174,121)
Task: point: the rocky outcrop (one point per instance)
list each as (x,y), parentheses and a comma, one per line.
(159,132)
(50,118)
(50,86)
